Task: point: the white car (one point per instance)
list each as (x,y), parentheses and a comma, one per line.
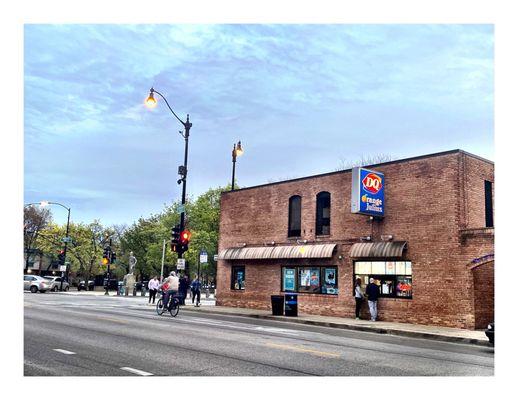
(55,282)
(36,283)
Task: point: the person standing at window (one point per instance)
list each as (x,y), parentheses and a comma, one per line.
(358,296)
(372,291)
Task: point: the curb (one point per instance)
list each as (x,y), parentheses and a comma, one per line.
(385,331)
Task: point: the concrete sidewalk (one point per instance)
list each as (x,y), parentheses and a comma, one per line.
(391,328)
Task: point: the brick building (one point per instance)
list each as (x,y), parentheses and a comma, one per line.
(432,253)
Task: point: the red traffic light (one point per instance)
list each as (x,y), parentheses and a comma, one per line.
(185,236)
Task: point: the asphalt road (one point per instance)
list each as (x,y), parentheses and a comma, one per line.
(81,335)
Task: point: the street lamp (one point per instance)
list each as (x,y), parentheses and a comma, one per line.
(236,152)
(182,170)
(45,204)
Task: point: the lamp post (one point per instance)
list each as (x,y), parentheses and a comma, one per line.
(236,152)
(44,204)
(182,170)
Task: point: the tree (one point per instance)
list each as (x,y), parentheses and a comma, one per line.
(35,219)
(364,161)
(84,252)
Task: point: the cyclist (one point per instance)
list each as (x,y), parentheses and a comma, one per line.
(171,282)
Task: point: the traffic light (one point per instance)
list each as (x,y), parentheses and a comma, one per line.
(61,257)
(175,238)
(113,257)
(185,236)
(106,256)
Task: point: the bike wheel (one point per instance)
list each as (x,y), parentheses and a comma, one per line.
(159,307)
(174,309)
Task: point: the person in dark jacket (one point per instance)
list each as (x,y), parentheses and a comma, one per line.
(372,291)
(182,289)
(195,291)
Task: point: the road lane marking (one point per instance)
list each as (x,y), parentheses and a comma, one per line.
(137,371)
(295,348)
(64,351)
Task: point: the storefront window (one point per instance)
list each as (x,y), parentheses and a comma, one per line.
(394,278)
(310,280)
(238,278)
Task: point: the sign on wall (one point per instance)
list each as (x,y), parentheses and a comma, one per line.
(368,192)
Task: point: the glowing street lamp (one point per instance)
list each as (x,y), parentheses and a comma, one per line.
(236,152)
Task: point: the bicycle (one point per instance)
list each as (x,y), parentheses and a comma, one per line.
(173,307)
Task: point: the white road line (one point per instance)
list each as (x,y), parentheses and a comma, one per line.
(137,371)
(64,351)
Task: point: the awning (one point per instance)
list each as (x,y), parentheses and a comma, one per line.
(277,252)
(377,250)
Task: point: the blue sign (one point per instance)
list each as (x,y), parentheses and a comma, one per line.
(368,192)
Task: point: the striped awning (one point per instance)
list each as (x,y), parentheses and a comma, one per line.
(377,250)
(277,252)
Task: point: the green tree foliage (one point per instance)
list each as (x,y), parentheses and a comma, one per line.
(85,251)
(146,236)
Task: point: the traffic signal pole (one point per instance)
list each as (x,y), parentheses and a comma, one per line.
(187,125)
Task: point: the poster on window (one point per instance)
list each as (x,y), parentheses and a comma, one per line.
(330,276)
(314,279)
(390,267)
(289,279)
(304,277)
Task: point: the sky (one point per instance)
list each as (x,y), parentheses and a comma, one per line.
(300,98)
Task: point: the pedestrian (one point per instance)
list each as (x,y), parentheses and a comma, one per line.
(358,296)
(153,288)
(182,289)
(170,287)
(196,291)
(372,291)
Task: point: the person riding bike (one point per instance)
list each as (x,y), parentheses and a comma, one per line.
(169,287)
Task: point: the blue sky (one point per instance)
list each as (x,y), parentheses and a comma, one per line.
(301,98)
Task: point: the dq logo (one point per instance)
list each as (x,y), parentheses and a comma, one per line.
(372,183)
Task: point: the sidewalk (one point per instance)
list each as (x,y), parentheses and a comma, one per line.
(391,328)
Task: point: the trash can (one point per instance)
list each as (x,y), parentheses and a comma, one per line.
(277,305)
(290,305)
(119,289)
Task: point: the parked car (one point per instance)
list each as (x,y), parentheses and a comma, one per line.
(55,282)
(81,285)
(490,333)
(36,283)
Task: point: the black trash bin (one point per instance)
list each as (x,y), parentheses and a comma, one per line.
(277,305)
(290,305)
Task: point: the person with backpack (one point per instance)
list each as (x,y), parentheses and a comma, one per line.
(196,290)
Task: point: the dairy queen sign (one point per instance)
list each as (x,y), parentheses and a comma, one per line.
(368,192)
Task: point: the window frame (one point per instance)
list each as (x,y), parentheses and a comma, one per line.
(233,271)
(488,204)
(319,220)
(321,269)
(384,276)
(292,233)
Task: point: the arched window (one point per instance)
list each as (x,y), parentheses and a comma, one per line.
(323,213)
(294,216)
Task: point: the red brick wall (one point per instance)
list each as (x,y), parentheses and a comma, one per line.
(484,284)
(425,205)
